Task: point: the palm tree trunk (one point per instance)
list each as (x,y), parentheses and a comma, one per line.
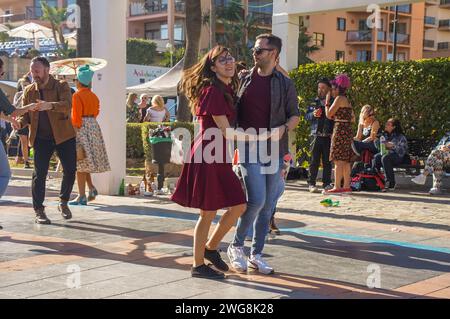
(212,24)
(193,30)
(84,33)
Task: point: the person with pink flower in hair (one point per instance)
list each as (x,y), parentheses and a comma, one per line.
(341,153)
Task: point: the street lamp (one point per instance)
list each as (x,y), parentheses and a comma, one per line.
(169,47)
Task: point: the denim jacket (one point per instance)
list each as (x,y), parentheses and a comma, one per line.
(326,124)
(400,144)
(283,106)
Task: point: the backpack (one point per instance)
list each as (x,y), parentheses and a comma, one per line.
(368,180)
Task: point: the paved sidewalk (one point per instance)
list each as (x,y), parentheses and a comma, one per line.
(142,248)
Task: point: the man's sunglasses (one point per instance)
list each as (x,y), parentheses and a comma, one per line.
(259,50)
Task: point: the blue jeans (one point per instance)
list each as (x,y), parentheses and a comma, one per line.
(388,162)
(363,146)
(5,172)
(263,191)
(280,193)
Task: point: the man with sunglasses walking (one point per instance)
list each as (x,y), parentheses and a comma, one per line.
(267,100)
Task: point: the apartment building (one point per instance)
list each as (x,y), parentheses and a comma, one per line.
(437,29)
(346,36)
(18,12)
(163,21)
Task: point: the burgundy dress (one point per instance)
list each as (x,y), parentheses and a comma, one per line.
(209,186)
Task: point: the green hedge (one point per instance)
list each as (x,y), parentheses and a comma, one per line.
(135,147)
(417,92)
(138,144)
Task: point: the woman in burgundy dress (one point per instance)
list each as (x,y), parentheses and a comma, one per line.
(208,182)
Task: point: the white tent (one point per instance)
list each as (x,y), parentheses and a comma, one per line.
(165,85)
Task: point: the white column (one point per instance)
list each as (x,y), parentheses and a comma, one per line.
(109,43)
(287,28)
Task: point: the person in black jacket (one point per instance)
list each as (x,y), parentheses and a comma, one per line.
(321,131)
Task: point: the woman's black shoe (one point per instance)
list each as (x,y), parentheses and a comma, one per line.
(214,257)
(206,272)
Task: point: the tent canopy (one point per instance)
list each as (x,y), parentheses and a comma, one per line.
(165,85)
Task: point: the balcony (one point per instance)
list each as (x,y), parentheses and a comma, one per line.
(14,18)
(445,4)
(430,22)
(443,46)
(401,38)
(405,8)
(444,25)
(364,36)
(147,8)
(429,44)
(262,18)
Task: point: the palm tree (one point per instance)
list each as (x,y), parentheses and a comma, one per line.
(84,33)
(56,17)
(193,30)
(304,47)
(238,29)
(212,24)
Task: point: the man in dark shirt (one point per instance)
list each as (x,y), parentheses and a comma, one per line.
(268,101)
(50,129)
(321,131)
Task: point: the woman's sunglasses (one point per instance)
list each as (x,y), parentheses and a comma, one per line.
(226,59)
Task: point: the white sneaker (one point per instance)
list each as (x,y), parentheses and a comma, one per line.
(313,189)
(256,262)
(237,258)
(420,179)
(435,191)
(328,187)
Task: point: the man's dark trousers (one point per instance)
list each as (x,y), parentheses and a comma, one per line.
(320,149)
(43,151)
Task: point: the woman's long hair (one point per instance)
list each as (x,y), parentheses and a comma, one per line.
(130,100)
(199,76)
(366,108)
(398,126)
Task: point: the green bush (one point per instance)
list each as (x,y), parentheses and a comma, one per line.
(135,147)
(416,92)
(140,51)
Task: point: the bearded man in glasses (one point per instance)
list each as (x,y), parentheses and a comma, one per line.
(267,100)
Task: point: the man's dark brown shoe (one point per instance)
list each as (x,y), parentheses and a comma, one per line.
(41,217)
(65,210)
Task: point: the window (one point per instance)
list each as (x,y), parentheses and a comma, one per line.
(364,56)
(363,25)
(379,55)
(164,32)
(38,8)
(179,30)
(401,56)
(152,31)
(319,39)
(341,24)
(340,56)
